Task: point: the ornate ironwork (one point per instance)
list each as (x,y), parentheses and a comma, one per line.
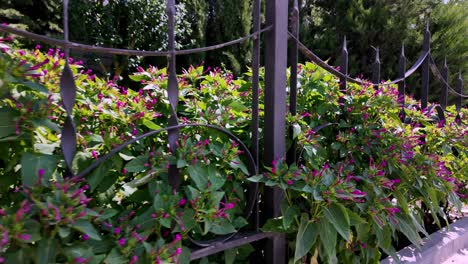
(276,53)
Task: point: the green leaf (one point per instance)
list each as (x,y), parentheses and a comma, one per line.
(185,256)
(33,228)
(222,229)
(103,171)
(216,198)
(181,163)
(238,106)
(256,178)
(46,251)
(338,216)
(354,218)
(46,123)
(138,164)
(409,230)
(230,256)
(151,125)
(216,180)
(126,157)
(35,86)
(32,163)
(273,225)
(328,237)
(87,228)
(64,232)
(108,213)
(198,176)
(236,163)
(306,237)
(289,214)
(115,257)
(296,130)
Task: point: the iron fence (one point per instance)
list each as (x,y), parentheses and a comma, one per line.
(276,55)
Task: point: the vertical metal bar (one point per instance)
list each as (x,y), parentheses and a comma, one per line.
(444,90)
(276,47)
(344,66)
(293,59)
(425,69)
(376,69)
(68,94)
(458,102)
(255,94)
(172,92)
(401,84)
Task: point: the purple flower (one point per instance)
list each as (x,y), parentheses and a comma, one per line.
(358,193)
(85,237)
(289,182)
(117,230)
(392,210)
(182,202)
(80,260)
(229,206)
(134,259)
(122,242)
(24,237)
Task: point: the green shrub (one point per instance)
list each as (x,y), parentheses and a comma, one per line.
(360,183)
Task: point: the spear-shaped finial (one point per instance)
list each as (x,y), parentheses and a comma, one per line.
(344,43)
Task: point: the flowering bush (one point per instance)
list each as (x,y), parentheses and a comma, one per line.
(124,210)
(367,179)
(361,182)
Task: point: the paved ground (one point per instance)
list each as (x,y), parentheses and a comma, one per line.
(461,257)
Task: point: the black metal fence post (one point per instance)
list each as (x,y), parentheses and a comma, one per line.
(293,59)
(401,85)
(68,94)
(444,90)
(376,69)
(458,102)
(276,46)
(425,68)
(172,92)
(344,66)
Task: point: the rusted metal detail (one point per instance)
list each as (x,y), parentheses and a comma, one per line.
(276,44)
(125,52)
(376,68)
(293,60)
(425,68)
(343,66)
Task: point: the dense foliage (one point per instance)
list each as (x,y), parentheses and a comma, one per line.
(360,184)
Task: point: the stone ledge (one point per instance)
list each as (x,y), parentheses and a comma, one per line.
(436,248)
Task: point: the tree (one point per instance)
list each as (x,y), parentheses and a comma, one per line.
(229,20)
(386,24)
(449,23)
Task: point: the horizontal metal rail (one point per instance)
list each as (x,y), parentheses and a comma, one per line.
(313,57)
(238,240)
(127,52)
